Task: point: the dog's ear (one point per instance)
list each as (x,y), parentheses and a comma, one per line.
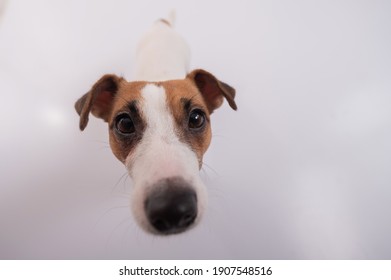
(213,90)
(98,100)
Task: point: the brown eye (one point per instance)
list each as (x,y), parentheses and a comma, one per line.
(196,119)
(124,124)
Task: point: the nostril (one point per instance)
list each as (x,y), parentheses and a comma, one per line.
(171,209)
(187,219)
(160,224)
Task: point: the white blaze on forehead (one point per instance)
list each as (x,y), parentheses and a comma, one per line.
(155,111)
(160,154)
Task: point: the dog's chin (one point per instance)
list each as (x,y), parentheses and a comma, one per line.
(142,192)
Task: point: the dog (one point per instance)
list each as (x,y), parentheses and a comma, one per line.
(159,128)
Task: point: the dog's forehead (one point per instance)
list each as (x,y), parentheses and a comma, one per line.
(173,93)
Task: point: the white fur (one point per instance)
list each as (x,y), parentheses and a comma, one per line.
(162,54)
(160,154)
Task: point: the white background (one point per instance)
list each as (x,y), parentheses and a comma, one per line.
(301,171)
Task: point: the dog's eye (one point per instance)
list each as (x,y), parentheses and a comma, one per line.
(196,119)
(124,124)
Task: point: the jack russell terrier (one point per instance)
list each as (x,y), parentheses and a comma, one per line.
(159,127)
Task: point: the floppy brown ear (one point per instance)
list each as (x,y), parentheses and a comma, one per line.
(213,90)
(98,100)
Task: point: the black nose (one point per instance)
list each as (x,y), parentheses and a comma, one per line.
(171,207)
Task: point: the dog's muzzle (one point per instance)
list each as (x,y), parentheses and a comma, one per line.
(171,206)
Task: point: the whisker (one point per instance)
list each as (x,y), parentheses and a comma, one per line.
(107,212)
(110,237)
(205,173)
(104,144)
(125,234)
(210,168)
(216,135)
(125,185)
(99,141)
(215,191)
(104,148)
(119,181)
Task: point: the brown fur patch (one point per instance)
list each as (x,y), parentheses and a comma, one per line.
(179,92)
(128,97)
(213,90)
(98,100)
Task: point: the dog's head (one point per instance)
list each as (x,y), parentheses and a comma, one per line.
(160,131)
